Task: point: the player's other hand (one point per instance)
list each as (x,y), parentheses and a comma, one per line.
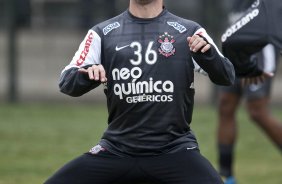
(256,80)
(198,43)
(95,72)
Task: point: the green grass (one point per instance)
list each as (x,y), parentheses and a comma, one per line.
(257,160)
(35,140)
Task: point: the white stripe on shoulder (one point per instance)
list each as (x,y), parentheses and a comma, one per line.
(204,33)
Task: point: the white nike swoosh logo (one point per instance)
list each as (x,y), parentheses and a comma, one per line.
(192,148)
(120,48)
(254,87)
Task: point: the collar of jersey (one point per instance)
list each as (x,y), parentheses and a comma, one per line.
(145,20)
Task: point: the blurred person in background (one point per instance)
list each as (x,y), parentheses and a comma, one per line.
(23,13)
(87,15)
(145,58)
(257,103)
(258,26)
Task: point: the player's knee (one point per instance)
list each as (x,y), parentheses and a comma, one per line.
(226,110)
(256,115)
(227,107)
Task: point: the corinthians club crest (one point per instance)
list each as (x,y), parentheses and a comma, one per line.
(166,49)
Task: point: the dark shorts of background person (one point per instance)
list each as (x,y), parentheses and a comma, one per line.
(183,167)
(251,92)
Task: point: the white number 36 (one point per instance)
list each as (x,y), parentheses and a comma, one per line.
(151,55)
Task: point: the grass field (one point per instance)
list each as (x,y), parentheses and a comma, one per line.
(35,140)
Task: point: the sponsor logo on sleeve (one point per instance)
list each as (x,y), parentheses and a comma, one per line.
(110,27)
(177,26)
(86,48)
(239,24)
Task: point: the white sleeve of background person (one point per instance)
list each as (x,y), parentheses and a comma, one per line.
(88,53)
(269,58)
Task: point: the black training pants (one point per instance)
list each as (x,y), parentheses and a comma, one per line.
(184,167)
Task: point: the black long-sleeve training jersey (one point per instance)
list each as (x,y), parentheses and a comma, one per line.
(258,26)
(150,87)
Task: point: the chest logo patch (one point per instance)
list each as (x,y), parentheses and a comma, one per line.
(177,26)
(110,27)
(166,48)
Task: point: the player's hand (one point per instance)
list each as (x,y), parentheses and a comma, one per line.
(95,72)
(197,43)
(256,80)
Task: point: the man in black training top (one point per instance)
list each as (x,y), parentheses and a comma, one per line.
(145,59)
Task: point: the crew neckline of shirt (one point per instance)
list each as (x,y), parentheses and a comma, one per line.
(131,16)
